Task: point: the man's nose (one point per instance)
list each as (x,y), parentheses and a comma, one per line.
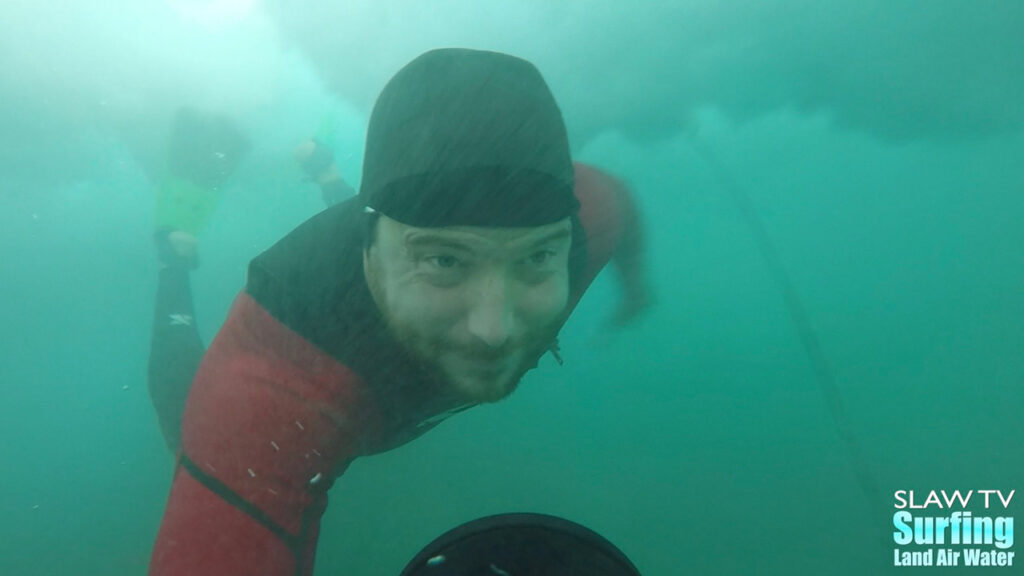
(491,316)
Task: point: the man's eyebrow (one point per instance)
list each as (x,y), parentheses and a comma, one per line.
(420,239)
(560,234)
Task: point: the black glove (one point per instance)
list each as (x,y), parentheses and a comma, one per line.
(319,161)
(170,257)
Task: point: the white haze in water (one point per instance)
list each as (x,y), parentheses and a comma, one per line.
(939,69)
(896,69)
(75,72)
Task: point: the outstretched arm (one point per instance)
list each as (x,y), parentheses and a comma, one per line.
(629,260)
(202,152)
(615,233)
(317,160)
(175,347)
(271,421)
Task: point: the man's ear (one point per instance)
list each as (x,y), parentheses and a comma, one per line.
(369,233)
(366,260)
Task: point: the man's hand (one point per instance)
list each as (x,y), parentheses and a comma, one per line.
(177,249)
(636,298)
(317,160)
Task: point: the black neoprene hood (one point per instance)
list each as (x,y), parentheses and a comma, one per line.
(468,137)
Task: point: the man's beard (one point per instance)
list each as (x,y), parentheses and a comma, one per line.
(428,352)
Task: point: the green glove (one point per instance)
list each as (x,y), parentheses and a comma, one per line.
(182,205)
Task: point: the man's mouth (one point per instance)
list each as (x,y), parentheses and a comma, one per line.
(485,365)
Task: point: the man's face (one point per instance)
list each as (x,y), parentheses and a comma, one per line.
(477,304)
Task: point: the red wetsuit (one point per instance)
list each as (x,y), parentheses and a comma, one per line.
(301,379)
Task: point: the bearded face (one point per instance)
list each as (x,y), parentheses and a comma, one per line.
(477,305)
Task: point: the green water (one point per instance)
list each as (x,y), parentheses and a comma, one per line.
(880,144)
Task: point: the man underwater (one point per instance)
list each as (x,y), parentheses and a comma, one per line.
(471,240)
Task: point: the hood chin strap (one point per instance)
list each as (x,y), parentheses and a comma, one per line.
(556,351)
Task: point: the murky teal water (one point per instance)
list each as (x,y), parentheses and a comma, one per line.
(698,439)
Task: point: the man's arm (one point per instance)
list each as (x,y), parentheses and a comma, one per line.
(615,234)
(317,161)
(270,422)
(175,349)
(202,152)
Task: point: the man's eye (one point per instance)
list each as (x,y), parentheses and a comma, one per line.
(540,258)
(444,261)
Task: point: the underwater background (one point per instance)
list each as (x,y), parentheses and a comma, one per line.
(879,144)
